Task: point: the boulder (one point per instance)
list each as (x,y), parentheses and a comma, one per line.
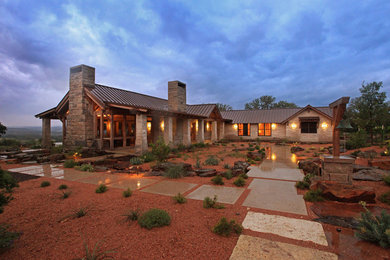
(295,149)
(191,174)
(311,166)
(99,168)
(369,174)
(358,167)
(164,166)
(240,167)
(255,155)
(345,192)
(206,172)
(58,157)
(121,165)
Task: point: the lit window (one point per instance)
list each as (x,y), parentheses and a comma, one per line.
(265,129)
(244,130)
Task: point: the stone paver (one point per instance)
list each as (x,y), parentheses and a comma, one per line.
(249,247)
(169,188)
(73,175)
(132,183)
(100,178)
(293,228)
(224,194)
(273,186)
(276,173)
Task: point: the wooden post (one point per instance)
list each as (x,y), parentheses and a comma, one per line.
(112,131)
(338,107)
(124,130)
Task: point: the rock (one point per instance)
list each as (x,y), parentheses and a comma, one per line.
(56,157)
(358,167)
(369,174)
(345,192)
(295,149)
(121,165)
(310,166)
(29,162)
(191,174)
(206,172)
(99,168)
(138,169)
(240,167)
(256,155)
(155,173)
(164,166)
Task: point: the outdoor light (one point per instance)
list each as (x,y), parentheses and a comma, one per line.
(138,184)
(293,158)
(273,126)
(207,126)
(162,125)
(273,157)
(196,125)
(235,126)
(149,126)
(324,125)
(293,125)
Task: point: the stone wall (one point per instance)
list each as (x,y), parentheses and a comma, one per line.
(177,100)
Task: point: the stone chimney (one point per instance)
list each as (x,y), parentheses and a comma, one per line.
(79,130)
(177,100)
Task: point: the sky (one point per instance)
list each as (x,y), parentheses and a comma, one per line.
(306,52)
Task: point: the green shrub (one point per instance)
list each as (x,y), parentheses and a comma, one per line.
(179,198)
(251,149)
(132,215)
(62,187)
(357,140)
(313,195)
(148,157)
(239,182)
(228,174)
(212,203)
(175,172)
(211,161)
(45,184)
(217,180)
(375,229)
(70,164)
(302,185)
(96,253)
(386,179)
(136,161)
(154,218)
(7,237)
(198,164)
(7,184)
(257,147)
(225,228)
(66,194)
(243,175)
(200,145)
(80,212)
(101,188)
(85,168)
(160,150)
(226,166)
(127,193)
(385,198)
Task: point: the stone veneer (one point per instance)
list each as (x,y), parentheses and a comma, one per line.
(338,169)
(177,100)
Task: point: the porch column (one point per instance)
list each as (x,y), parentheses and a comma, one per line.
(100,141)
(200,132)
(168,130)
(156,128)
(214,131)
(141,134)
(112,129)
(186,132)
(221,133)
(179,131)
(46,133)
(63,120)
(124,130)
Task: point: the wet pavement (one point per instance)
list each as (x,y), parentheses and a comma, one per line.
(169,188)
(224,194)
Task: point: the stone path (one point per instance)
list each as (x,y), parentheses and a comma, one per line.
(224,194)
(169,188)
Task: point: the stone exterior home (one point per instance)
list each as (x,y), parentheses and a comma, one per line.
(102,117)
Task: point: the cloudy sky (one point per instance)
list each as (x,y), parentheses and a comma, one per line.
(307,52)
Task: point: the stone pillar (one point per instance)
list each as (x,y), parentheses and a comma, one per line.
(112,131)
(221,129)
(187,132)
(168,130)
(200,131)
(46,133)
(214,131)
(177,100)
(156,128)
(179,132)
(338,168)
(141,134)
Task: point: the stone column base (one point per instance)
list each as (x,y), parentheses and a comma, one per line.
(337,169)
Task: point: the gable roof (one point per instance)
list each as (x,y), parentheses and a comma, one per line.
(275,115)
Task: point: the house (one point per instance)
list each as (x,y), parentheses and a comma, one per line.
(98,116)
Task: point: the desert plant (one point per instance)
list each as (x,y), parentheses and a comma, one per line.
(243,175)
(127,193)
(217,180)
(386,179)
(239,182)
(212,203)
(160,150)
(226,166)
(7,237)
(385,198)
(136,161)
(96,253)
(132,215)
(302,185)
(211,160)
(85,168)
(45,184)
(62,187)
(198,164)
(154,218)
(375,229)
(228,174)
(80,213)
(225,227)
(148,157)
(313,195)
(66,194)
(101,188)
(175,172)
(7,183)
(70,164)
(179,198)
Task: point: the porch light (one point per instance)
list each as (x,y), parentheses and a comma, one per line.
(273,157)
(324,125)
(162,125)
(149,126)
(293,158)
(293,125)
(207,126)
(235,126)
(196,125)
(273,126)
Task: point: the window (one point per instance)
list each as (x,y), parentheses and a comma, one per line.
(308,127)
(265,129)
(244,130)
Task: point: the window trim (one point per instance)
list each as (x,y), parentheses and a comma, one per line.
(308,128)
(241,128)
(264,129)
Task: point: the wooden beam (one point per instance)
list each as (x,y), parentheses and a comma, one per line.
(340,101)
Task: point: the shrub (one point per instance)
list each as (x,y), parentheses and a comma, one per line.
(385,198)
(80,213)
(101,188)
(228,174)
(45,184)
(375,229)
(217,180)
(70,164)
(200,145)
(257,147)
(66,194)
(85,167)
(313,195)
(226,166)
(225,228)
(302,185)
(96,253)
(357,140)
(198,164)
(7,183)
(251,149)
(175,172)
(7,237)
(154,218)
(62,187)
(148,157)
(132,215)
(211,161)
(386,179)
(136,161)
(243,175)
(179,198)
(127,193)
(160,150)
(239,182)
(212,203)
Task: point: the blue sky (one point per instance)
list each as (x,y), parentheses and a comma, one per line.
(307,52)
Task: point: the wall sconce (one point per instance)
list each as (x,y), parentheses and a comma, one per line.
(273,126)
(293,125)
(162,125)
(273,157)
(235,126)
(207,126)
(196,125)
(293,158)
(324,125)
(149,126)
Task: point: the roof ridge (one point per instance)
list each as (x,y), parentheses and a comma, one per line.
(270,109)
(207,104)
(131,92)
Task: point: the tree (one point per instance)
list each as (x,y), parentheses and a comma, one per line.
(3,129)
(224,107)
(264,102)
(370,111)
(284,104)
